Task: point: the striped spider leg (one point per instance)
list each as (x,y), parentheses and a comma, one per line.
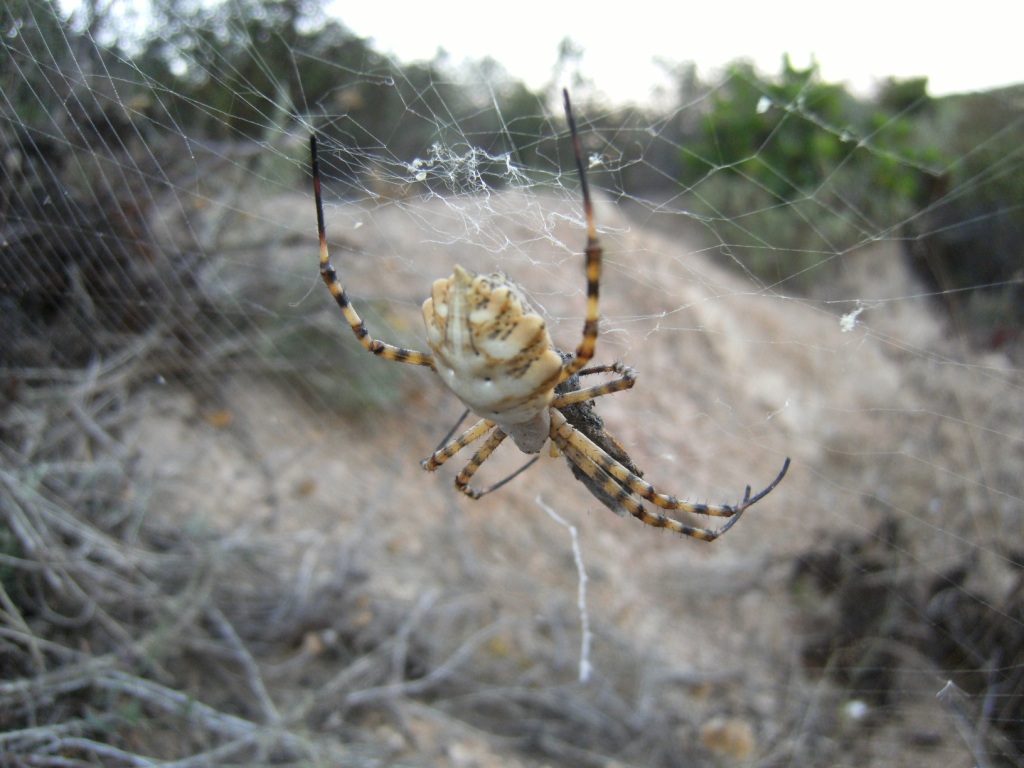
(625,488)
(493,351)
(330,277)
(577,405)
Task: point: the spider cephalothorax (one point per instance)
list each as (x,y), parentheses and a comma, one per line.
(492,350)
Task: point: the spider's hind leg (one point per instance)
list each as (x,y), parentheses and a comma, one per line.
(625,486)
(604,488)
(622,498)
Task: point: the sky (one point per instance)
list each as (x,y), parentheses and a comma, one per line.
(959,47)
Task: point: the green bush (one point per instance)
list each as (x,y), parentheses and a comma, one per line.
(792,171)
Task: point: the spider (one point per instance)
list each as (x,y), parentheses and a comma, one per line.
(492,350)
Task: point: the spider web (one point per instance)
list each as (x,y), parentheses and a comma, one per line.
(793,270)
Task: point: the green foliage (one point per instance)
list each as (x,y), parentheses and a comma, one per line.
(967,244)
(781,136)
(238,69)
(796,170)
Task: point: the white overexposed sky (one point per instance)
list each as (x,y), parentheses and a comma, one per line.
(958,46)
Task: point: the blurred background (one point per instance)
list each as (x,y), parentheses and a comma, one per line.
(217,546)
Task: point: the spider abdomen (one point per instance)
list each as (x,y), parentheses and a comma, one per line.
(492,349)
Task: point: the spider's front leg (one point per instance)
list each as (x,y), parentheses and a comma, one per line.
(593,252)
(330,277)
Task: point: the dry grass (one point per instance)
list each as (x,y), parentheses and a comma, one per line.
(128,642)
